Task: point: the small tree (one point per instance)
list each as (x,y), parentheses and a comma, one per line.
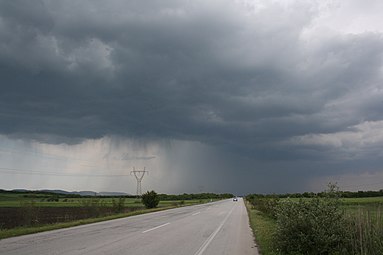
(150,199)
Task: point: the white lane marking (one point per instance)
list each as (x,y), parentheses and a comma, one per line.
(211,237)
(163,225)
(196,213)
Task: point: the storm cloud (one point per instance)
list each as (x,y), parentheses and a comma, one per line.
(263,91)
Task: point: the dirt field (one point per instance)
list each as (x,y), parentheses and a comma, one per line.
(12,217)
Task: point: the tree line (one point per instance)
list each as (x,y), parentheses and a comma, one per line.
(344,194)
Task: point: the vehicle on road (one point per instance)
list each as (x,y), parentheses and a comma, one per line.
(235,199)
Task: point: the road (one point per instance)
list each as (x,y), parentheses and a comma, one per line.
(209,229)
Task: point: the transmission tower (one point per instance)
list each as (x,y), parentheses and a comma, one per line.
(139,174)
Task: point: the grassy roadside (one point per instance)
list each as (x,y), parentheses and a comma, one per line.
(263,228)
(31,230)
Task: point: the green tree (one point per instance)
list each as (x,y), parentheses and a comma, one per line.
(150,199)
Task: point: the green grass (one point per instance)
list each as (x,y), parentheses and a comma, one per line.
(263,228)
(370,205)
(363,201)
(30,230)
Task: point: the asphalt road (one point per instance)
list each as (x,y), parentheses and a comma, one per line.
(211,229)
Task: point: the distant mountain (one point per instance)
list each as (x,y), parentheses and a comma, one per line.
(81,193)
(105,193)
(20,190)
(85,193)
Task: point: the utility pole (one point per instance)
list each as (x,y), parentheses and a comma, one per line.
(139,174)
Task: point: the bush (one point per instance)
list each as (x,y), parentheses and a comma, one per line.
(312,226)
(266,205)
(150,199)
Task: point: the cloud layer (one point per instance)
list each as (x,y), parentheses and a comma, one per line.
(270,83)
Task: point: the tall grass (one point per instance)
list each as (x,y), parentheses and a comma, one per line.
(366,228)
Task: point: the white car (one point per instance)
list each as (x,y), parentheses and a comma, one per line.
(235,199)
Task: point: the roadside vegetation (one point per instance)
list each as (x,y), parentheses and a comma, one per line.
(264,228)
(30,212)
(324,223)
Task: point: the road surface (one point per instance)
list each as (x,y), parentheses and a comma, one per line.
(209,229)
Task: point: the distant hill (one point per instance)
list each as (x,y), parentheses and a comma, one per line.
(105,193)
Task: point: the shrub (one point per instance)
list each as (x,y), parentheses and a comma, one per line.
(266,205)
(150,199)
(312,226)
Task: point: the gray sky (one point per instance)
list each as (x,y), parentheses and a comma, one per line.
(218,96)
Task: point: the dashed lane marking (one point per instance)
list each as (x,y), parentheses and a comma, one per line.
(160,226)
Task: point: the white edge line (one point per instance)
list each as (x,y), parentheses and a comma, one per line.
(196,213)
(211,237)
(160,226)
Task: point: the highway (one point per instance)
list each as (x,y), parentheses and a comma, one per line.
(216,228)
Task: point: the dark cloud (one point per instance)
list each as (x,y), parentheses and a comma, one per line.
(264,83)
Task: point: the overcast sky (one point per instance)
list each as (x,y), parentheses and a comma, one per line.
(209,96)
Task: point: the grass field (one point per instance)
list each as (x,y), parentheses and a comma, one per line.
(363,200)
